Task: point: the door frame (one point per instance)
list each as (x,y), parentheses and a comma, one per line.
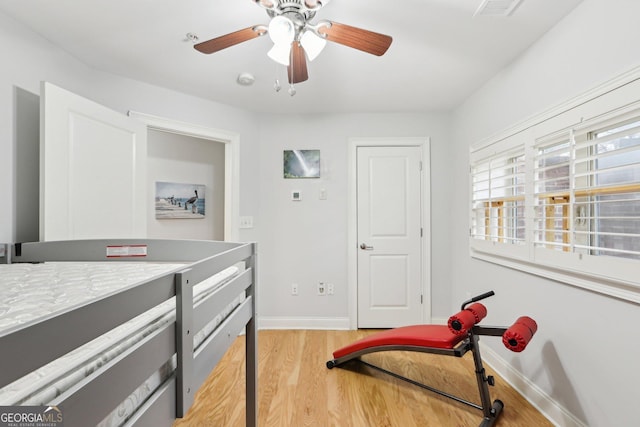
(231,141)
(352,221)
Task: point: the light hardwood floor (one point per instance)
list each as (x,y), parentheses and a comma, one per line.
(296,389)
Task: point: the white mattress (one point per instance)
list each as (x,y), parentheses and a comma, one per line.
(31,291)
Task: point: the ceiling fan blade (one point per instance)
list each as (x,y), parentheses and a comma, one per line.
(231,39)
(357,38)
(297,69)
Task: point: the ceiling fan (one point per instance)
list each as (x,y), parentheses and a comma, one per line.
(296,39)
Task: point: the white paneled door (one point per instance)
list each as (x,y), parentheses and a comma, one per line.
(92,169)
(389,236)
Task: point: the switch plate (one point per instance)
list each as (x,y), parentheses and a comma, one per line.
(246,222)
(322,194)
(330,289)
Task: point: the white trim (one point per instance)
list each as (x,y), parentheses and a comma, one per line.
(614,288)
(352,219)
(550,408)
(316,323)
(231,155)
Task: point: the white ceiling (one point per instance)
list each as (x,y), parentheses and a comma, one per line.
(440,53)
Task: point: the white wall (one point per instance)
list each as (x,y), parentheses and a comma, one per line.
(584,355)
(306,242)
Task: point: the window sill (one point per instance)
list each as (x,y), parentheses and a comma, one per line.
(621,289)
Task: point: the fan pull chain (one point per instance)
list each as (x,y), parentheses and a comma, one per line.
(276,85)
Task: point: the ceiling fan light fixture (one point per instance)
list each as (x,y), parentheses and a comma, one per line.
(280,53)
(282,31)
(312,44)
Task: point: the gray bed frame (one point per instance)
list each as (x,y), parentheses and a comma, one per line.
(25,348)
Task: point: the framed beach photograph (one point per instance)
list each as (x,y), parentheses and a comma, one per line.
(179,201)
(301,164)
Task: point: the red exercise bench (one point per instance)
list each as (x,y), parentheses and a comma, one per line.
(460,335)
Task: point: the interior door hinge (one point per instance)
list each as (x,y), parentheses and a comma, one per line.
(420,164)
(421,232)
(421,299)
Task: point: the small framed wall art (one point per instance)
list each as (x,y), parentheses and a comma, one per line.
(301,164)
(179,201)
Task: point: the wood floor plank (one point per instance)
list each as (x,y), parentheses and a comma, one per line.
(296,389)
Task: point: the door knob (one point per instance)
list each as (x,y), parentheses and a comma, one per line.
(365,247)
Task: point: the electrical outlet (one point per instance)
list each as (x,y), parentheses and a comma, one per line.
(322,290)
(294,289)
(330,289)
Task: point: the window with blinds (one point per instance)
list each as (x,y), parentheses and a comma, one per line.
(498,198)
(561,197)
(587,192)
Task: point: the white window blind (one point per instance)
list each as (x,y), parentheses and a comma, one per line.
(587,192)
(552,172)
(498,198)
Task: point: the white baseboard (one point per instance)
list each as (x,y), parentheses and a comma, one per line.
(329,323)
(544,403)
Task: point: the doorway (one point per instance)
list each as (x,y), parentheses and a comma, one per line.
(230,142)
(389,234)
(181,160)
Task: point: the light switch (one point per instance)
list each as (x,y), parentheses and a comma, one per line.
(246,222)
(323,194)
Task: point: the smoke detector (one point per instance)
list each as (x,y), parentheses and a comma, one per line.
(497,7)
(245,79)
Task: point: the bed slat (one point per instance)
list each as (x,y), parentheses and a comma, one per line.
(210,352)
(120,377)
(159,409)
(201,270)
(220,298)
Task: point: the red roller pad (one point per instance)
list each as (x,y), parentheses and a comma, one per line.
(478,310)
(461,322)
(519,334)
(464,320)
